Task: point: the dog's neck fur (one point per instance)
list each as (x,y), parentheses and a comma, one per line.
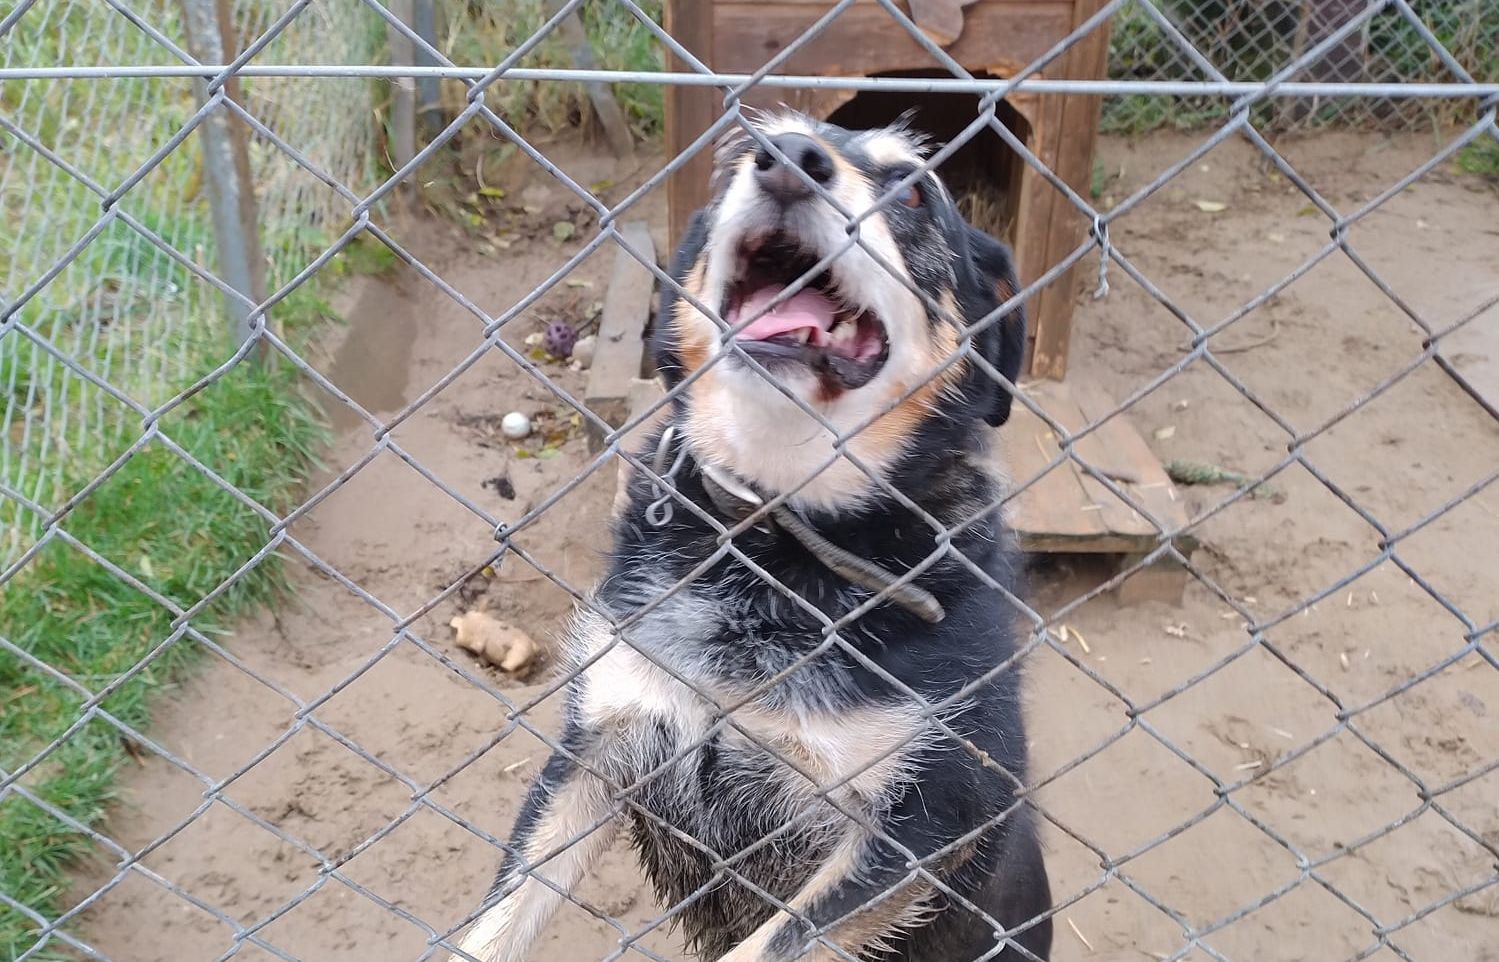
(947,481)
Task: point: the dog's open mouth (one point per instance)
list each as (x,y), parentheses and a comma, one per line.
(819,326)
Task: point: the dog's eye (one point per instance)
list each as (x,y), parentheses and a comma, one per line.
(907,196)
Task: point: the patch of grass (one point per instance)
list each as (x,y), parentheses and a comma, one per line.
(483,33)
(1481,157)
(180,534)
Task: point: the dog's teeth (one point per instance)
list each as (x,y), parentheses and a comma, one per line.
(802,334)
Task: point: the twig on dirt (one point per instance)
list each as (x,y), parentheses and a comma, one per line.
(1200,472)
(1118,474)
(514,765)
(1080,936)
(1241,348)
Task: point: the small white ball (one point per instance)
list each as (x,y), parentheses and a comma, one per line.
(515,425)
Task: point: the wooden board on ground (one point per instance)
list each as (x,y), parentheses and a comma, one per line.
(1068,509)
(620,353)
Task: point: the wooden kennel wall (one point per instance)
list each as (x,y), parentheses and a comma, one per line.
(996,38)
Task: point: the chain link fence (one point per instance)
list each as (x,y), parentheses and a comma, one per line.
(126,306)
(110,283)
(1252,40)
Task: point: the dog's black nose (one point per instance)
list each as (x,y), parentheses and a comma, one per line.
(785,184)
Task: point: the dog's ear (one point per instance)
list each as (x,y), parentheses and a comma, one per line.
(665,351)
(1002,344)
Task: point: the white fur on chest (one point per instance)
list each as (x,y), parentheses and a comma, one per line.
(860,751)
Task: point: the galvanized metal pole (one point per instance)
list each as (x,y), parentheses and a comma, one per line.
(226,169)
(428,89)
(402,89)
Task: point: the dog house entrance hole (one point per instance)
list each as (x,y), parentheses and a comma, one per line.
(984,175)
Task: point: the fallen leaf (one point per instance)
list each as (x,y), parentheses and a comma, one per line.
(1310,210)
(577,282)
(492,192)
(547,453)
(1165,433)
(1210,206)
(563,230)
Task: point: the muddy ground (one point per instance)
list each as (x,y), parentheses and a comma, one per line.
(1318,347)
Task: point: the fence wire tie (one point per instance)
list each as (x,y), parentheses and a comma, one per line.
(1101,234)
(659,511)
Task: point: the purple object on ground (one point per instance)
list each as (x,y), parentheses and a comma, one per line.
(559,338)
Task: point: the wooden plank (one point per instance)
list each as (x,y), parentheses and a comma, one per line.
(600,95)
(620,352)
(1033,208)
(689,112)
(940,20)
(1154,490)
(1118,517)
(1068,510)
(864,40)
(1077,134)
(1051,512)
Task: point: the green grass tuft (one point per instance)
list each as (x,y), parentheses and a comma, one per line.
(1480,157)
(182,535)
(485,33)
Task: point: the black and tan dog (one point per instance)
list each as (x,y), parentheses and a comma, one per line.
(862,793)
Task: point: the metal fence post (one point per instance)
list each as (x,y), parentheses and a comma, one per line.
(428,89)
(402,89)
(226,168)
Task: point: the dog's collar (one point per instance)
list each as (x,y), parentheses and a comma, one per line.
(736,500)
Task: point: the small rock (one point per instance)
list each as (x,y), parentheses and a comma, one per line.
(497,642)
(536,195)
(515,425)
(583,350)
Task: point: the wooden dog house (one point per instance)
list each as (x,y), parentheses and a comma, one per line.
(1067,510)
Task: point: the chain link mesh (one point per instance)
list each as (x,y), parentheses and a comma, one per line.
(1254,40)
(84,260)
(124,306)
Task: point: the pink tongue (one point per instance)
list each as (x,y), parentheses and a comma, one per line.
(805,308)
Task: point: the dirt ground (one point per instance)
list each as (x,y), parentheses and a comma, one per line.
(1306,355)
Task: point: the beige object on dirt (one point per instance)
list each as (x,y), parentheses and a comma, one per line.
(499,643)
